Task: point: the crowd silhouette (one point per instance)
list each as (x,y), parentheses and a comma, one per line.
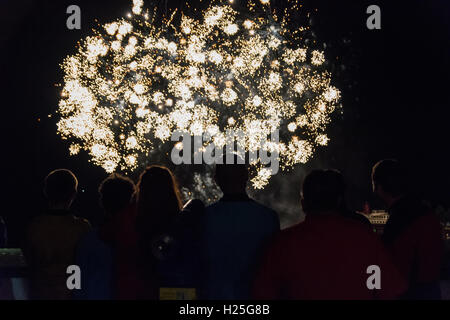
(150,246)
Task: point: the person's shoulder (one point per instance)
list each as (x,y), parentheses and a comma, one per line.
(431,216)
(427,221)
(35,226)
(290,232)
(286,237)
(263,209)
(359,223)
(248,206)
(351,228)
(261,206)
(213,208)
(411,204)
(213,205)
(357,217)
(38,220)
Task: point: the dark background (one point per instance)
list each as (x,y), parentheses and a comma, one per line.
(394,81)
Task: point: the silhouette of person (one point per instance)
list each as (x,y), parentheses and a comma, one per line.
(52,238)
(5,283)
(412,233)
(158,213)
(341,187)
(97,251)
(191,259)
(236,230)
(3,233)
(326,256)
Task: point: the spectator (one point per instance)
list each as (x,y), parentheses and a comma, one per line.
(412,233)
(191,260)
(326,256)
(3,234)
(236,230)
(98,248)
(52,238)
(158,210)
(341,187)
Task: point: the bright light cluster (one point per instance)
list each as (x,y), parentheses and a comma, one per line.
(134,82)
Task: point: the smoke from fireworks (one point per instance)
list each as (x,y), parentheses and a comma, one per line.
(136,81)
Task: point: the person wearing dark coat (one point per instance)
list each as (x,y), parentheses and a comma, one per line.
(412,233)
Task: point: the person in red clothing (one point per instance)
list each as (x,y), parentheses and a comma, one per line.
(412,233)
(328,255)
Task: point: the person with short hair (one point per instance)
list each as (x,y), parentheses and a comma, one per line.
(326,257)
(52,237)
(100,251)
(237,229)
(412,233)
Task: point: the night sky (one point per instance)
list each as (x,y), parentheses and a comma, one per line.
(394,83)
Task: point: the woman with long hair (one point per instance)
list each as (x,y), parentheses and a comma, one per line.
(158,200)
(158,209)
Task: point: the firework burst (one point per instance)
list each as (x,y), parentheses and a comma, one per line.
(135,82)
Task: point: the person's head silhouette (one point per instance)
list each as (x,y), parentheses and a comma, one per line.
(389,180)
(232,178)
(116,193)
(323,192)
(60,189)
